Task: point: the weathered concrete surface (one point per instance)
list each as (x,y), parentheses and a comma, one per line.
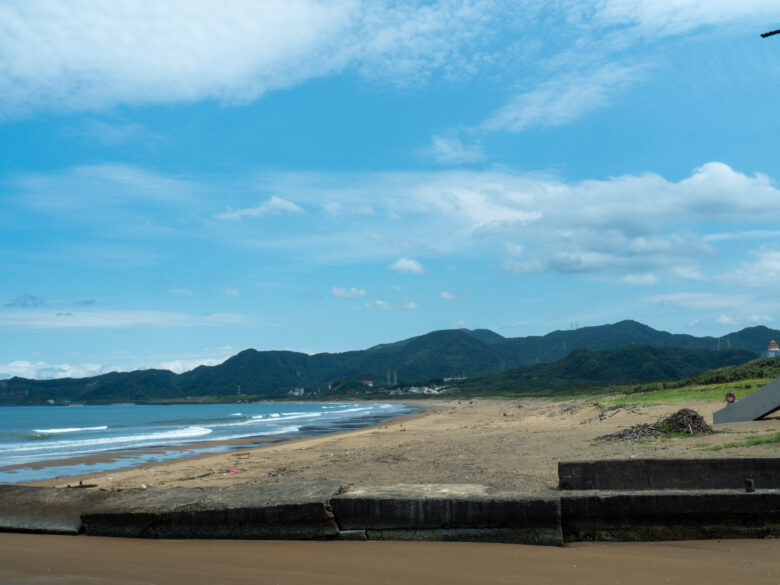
(659,474)
(759,404)
(277,511)
(449,512)
(670,515)
(44,510)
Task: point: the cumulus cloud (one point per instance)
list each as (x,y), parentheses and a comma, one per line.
(231,292)
(347,293)
(447,296)
(95,55)
(25,300)
(273,205)
(407,265)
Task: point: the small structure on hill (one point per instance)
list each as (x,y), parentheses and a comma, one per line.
(773,351)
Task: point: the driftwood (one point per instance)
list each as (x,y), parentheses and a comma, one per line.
(684,421)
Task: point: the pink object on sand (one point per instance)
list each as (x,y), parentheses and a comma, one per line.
(233,472)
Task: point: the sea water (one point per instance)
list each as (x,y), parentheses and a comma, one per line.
(40,442)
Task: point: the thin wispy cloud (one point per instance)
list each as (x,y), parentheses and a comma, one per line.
(110,318)
(563,99)
(26,300)
(272,206)
(450,149)
(347,293)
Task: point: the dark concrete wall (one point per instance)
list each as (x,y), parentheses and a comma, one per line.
(660,474)
(670,515)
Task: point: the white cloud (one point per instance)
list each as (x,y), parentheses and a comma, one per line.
(347,293)
(407,265)
(562,99)
(273,205)
(38,319)
(763,271)
(45,371)
(447,296)
(640,279)
(677,16)
(701,300)
(449,149)
(231,292)
(95,54)
(180,291)
(385,306)
(727,320)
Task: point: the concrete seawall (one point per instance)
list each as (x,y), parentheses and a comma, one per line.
(323,510)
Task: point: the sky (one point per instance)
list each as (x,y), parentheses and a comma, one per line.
(183,180)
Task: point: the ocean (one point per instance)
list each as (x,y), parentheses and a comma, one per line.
(44,442)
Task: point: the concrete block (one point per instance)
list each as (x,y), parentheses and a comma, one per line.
(670,515)
(659,474)
(276,511)
(449,512)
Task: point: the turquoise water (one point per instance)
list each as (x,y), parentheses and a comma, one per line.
(36,442)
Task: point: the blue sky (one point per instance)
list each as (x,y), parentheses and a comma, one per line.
(183,180)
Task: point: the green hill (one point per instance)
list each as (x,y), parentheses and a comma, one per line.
(479,352)
(584,368)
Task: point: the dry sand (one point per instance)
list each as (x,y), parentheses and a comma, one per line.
(505,444)
(78,560)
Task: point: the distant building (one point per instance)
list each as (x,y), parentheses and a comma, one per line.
(296,392)
(773,351)
(369,383)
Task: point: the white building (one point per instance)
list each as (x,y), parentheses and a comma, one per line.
(773,351)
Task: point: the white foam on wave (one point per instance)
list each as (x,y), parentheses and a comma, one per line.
(69,430)
(165,436)
(236,414)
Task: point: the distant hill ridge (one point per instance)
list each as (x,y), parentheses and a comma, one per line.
(433,355)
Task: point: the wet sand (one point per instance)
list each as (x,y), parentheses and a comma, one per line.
(30,559)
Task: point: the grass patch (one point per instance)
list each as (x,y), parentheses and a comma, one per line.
(750,442)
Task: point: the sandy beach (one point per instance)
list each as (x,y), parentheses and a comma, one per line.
(28,558)
(504,444)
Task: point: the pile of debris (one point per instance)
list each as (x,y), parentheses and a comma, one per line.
(684,421)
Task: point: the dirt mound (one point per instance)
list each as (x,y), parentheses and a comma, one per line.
(684,421)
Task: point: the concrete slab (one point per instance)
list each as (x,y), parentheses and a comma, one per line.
(759,404)
(278,511)
(45,510)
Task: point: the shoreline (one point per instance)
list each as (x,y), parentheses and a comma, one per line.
(251,443)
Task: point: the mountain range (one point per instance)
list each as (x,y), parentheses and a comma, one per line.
(454,352)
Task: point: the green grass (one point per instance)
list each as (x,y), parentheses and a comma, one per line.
(750,442)
(615,395)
